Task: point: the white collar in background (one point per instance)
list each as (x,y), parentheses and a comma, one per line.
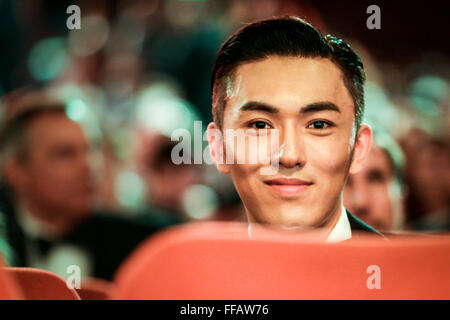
(34,227)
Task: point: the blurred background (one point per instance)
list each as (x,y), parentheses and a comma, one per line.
(137,70)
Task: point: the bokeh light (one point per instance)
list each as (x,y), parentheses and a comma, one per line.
(200,201)
(47,59)
(159,108)
(130,189)
(91,37)
(76,109)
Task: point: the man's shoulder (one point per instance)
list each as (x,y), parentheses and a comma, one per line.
(360,226)
(115,220)
(109,225)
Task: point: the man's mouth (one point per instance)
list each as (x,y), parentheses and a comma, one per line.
(288,186)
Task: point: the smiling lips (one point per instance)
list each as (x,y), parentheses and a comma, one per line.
(288,186)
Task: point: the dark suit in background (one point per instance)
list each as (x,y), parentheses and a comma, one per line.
(105,237)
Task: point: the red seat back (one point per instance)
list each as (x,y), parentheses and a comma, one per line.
(219,261)
(95,289)
(9,289)
(39,284)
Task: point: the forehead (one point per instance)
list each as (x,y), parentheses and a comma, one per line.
(284,81)
(49,128)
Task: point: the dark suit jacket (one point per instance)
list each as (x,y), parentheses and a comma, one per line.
(106,237)
(107,240)
(360,226)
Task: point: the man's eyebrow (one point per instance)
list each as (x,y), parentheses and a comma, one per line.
(320,106)
(259,106)
(310,108)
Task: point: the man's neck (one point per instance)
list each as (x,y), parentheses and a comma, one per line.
(336,227)
(39,222)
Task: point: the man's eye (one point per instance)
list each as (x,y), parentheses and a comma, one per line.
(319,124)
(259,125)
(64,152)
(376,176)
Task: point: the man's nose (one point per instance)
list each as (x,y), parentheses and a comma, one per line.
(361,199)
(85,161)
(292,151)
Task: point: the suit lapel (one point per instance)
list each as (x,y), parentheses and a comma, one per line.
(360,226)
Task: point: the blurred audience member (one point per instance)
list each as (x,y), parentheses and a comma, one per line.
(166,182)
(182,192)
(184,46)
(49,198)
(375,194)
(428,179)
(7,254)
(426,146)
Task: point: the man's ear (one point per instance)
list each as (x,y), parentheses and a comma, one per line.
(216,148)
(15,175)
(361,149)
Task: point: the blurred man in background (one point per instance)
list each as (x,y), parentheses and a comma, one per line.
(428,176)
(51,221)
(166,183)
(375,194)
(178,193)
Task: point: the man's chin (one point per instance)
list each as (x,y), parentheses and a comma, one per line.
(80,209)
(291,223)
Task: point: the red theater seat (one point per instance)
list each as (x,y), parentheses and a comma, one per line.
(219,261)
(95,289)
(9,289)
(41,285)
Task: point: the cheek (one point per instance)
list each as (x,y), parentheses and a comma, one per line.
(55,177)
(246,180)
(348,196)
(47,187)
(247,153)
(328,157)
(382,199)
(243,173)
(264,149)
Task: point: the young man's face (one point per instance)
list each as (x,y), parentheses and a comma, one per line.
(306,101)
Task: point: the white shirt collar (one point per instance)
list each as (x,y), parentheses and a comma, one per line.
(342,230)
(34,227)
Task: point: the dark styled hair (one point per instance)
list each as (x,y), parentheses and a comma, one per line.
(284,36)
